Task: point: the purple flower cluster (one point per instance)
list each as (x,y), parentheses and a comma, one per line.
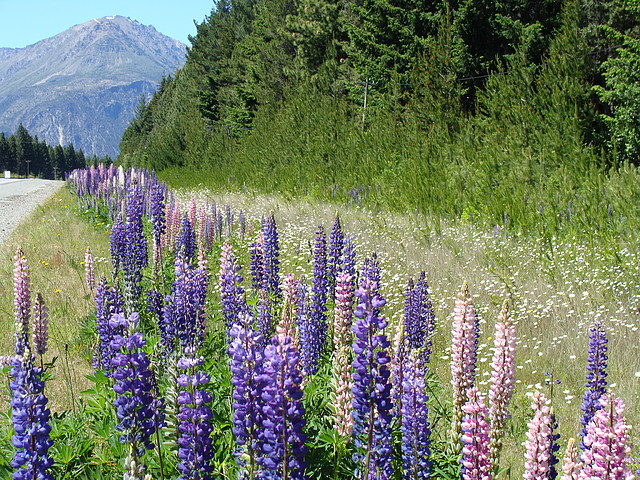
(117,244)
(30,420)
(271,256)
(135,248)
(419,319)
(596,384)
(109,302)
(336,246)
(231,292)
(186,241)
(40,326)
(281,437)
(372,403)
(476,459)
(195,444)
(257,263)
(21,301)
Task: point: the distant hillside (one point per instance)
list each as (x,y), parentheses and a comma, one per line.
(82,86)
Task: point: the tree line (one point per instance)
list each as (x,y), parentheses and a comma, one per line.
(26,155)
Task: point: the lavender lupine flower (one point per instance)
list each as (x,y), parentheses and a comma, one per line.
(415,423)
(372,390)
(134,388)
(108,302)
(245,360)
(186,241)
(89,273)
(155,303)
(476,461)
(117,242)
(571,464)
(231,293)
(314,335)
(596,377)
(271,257)
(342,339)
(538,443)
(607,452)
(195,443)
(159,222)
(463,356)
(30,420)
(419,319)
(21,301)
(348,260)
(256,252)
(135,250)
(502,379)
(40,326)
(336,245)
(281,438)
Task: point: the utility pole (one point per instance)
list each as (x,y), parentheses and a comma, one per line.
(27,162)
(364,103)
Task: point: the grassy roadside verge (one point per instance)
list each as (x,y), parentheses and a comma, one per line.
(54,239)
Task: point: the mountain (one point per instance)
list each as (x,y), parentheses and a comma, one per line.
(82,85)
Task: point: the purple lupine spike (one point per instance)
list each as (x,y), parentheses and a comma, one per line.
(463,356)
(336,245)
(155,303)
(135,249)
(415,424)
(21,301)
(256,252)
(89,272)
(265,318)
(134,389)
(242,223)
(246,360)
(219,224)
(231,293)
(40,325)
(607,452)
(271,257)
(186,241)
(195,443)
(596,383)
(372,390)
(555,447)
(108,302)
(342,339)
(30,420)
(371,269)
(503,369)
(419,318)
(538,443)
(314,336)
(281,438)
(476,461)
(159,223)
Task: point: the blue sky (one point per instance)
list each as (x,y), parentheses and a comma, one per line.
(24,22)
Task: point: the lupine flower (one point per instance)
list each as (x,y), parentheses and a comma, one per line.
(117,242)
(476,461)
(265,320)
(186,241)
(134,388)
(415,423)
(159,223)
(281,438)
(348,260)
(108,302)
(30,420)
(89,274)
(596,377)
(21,301)
(463,355)
(538,443)
(40,326)
(289,317)
(271,258)
(195,443)
(256,253)
(245,360)
(314,334)
(372,390)
(419,319)
(242,222)
(502,379)
(571,464)
(336,245)
(135,250)
(231,292)
(342,338)
(607,452)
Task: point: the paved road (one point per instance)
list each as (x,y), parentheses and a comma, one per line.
(20,197)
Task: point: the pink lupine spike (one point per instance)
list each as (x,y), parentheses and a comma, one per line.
(21,300)
(40,326)
(476,461)
(538,444)
(571,464)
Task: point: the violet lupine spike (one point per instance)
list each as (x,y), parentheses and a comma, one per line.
(281,438)
(117,241)
(40,326)
(135,249)
(245,361)
(186,241)
(271,257)
(159,223)
(256,253)
(415,423)
(108,302)
(21,301)
(134,388)
(607,452)
(348,260)
(372,389)
(314,336)
(419,318)
(596,383)
(538,443)
(89,272)
(336,245)
(342,338)
(232,296)
(195,443)
(463,357)
(30,420)
(503,367)
(571,464)
(555,447)
(476,461)
(265,318)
